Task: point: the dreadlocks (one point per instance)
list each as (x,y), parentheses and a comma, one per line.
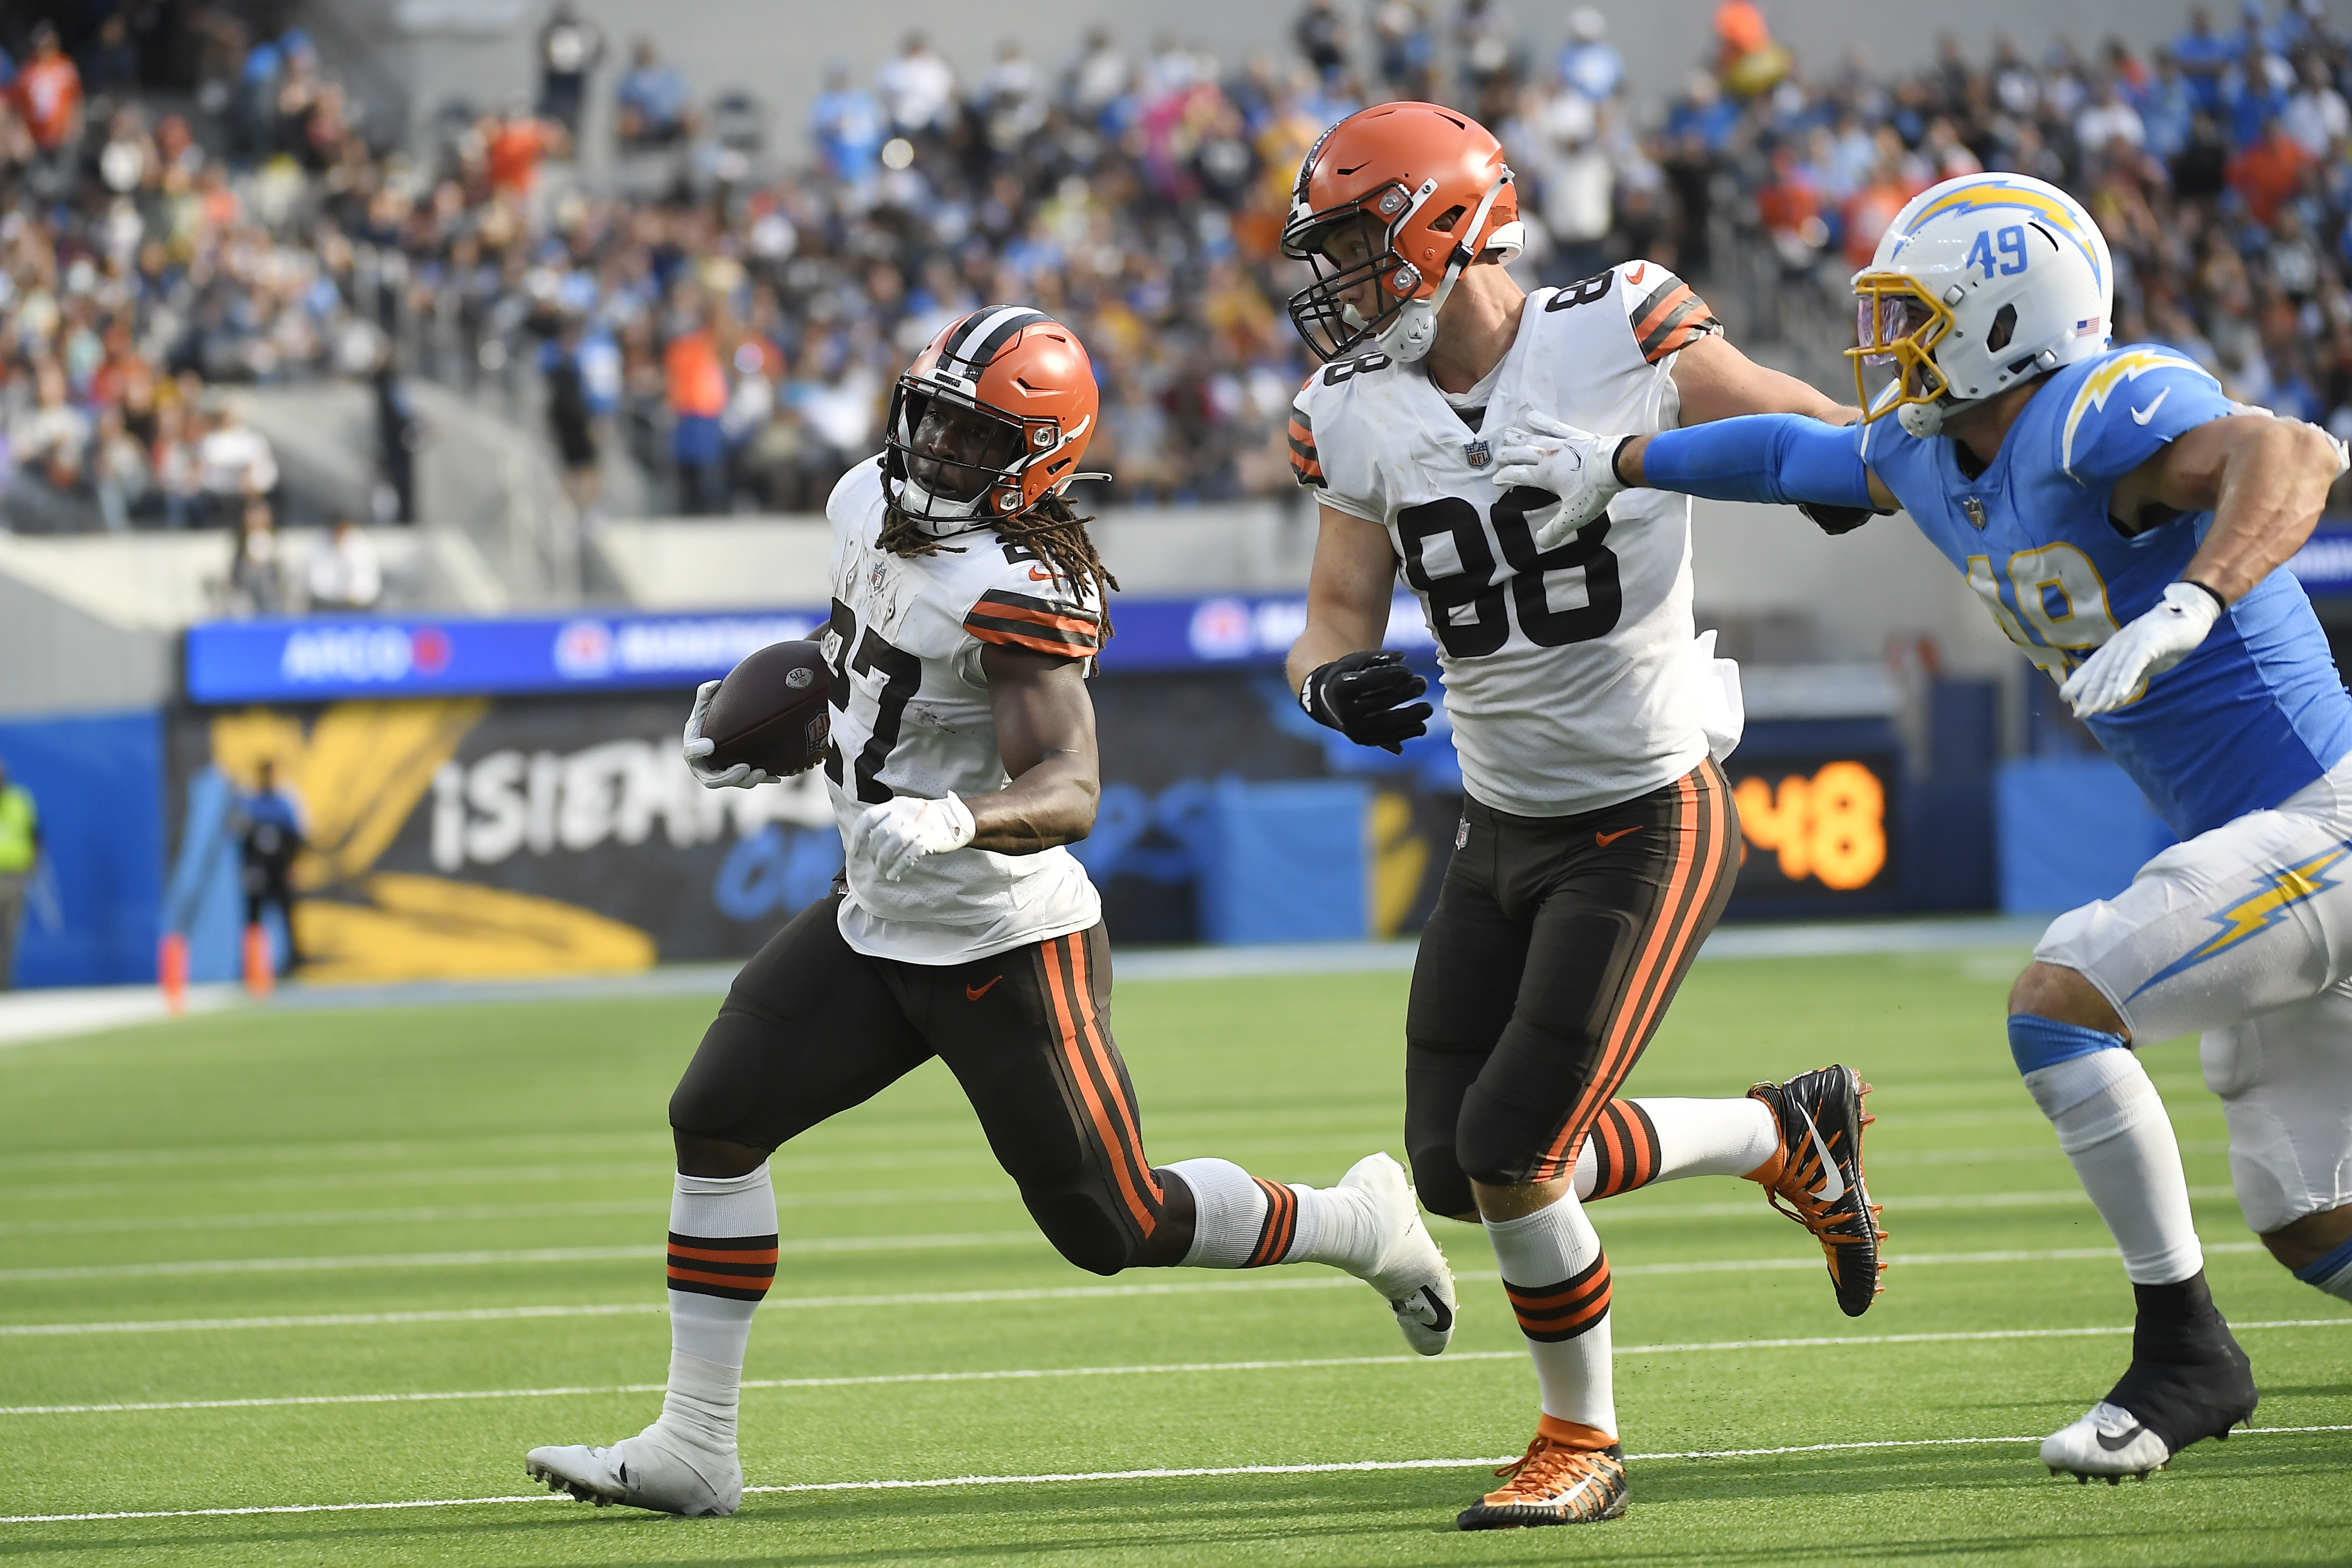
(1051,528)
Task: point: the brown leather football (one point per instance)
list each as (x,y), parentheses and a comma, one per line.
(771,711)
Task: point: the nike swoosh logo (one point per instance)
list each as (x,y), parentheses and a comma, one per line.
(2144,414)
(1635,275)
(1833,1181)
(1606,839)
(1037,576)
(974,992)
(2118,1444)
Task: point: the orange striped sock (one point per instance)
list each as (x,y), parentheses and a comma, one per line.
(1557,1278)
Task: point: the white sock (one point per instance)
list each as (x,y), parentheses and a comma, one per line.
(1634,1142)
(2112,1125)
(1242,1222)
(722,1259)
(1558,1280)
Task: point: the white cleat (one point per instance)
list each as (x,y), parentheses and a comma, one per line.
(1408,1271)
(644,1471)
(2109,1442)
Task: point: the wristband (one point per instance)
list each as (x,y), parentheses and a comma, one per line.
(2220,604)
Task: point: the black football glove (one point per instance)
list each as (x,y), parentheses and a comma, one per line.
(1836,520)
(1362,695)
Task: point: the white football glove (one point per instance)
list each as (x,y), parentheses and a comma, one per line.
(743,775)
(1574,465)
(2152,644)
(897,833)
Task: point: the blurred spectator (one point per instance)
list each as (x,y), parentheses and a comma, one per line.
(697,389)
(918,87)
(400,433)
(847,128)
(268,824)
(1097,78)
(1321,34)
(1588,64)
(1486,43)
(255,586)
(1747,61)
(2203,59)
(48,93)
(570,48)
(119,469)
(20,855)
(2109,125)
(2268,172)
(651,104)
(342,573)
(2317,116)
(517,143)
(1406,45)
(571,413)
(237,463)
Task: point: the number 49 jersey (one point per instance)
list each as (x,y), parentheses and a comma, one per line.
(1571,677)
(911,716)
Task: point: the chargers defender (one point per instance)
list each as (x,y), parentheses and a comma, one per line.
(2128,526)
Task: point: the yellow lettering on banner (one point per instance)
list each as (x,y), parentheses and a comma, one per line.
(1831,826)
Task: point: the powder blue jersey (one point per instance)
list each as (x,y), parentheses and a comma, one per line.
(2256,711)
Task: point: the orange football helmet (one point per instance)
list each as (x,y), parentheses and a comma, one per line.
(1391,205)
(991,418)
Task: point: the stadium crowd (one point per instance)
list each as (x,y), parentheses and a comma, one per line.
(734,320)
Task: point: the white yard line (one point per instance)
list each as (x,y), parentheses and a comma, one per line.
(942,1297)
(1066,1478)
(1025,1374)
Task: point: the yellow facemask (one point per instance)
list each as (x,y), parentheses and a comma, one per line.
(1896,319)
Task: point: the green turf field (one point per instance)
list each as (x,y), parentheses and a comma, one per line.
(454,1216)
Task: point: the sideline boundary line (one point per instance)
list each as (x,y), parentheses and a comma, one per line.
(1172,1473)
(1023,1374)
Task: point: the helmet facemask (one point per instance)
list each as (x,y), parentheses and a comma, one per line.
(1352,252)
(1898,322)
(952,463)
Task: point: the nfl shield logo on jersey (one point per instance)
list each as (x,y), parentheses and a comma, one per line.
(1476,453)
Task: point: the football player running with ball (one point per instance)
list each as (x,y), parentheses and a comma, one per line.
(1598,841)
(2128,526)
(968,605)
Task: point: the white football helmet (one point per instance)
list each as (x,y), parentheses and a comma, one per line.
(1979,283)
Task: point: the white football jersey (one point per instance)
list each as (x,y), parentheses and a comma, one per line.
(911,716)
(1571,677)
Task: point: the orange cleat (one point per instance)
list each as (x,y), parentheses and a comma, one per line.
(1571,1474)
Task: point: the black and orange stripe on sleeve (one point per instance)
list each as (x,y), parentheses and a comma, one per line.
(1306,462)
(1042,626)
(1624,1145)
(740,1267)
(1551,1314)
(1281,1226)
(1671,318)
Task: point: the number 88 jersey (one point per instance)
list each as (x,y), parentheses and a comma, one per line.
(1571,677)
(911,715)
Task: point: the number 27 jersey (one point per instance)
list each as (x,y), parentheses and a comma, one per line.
(912,716)
(1571,677)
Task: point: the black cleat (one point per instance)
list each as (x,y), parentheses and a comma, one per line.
(1816,1179)
(2188,1381)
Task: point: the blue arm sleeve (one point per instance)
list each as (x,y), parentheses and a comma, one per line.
(1781,458)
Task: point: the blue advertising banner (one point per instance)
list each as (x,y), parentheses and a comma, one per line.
(326,659)
(2323,564)
(93,904)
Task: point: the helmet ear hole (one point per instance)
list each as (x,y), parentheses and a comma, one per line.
(2004,326)
(1452,216)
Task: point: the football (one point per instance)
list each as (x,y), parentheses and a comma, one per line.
(771,711)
